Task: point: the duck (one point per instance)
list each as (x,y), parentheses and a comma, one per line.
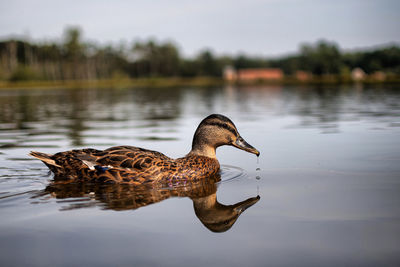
(135,165)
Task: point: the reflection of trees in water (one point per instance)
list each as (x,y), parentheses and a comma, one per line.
(203,100)
(215,216)
(73,110)
(157,103)
(247,98)
(320,106)
(327,106)
(17,108)
(316,106)
(70,112)
(78,102)
(208,97)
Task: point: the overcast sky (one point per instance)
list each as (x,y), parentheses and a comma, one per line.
(257,27)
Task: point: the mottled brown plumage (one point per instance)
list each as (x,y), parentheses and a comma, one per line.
(133,165)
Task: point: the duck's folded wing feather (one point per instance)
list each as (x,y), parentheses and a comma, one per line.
(129,157)
(132,151)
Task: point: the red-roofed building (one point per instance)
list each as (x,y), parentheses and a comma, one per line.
(259,74)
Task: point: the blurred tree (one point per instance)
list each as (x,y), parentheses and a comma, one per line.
(189,68)
(153,59)
(208,65)
(72,43)
(244,62)
(323,58)
(76,65)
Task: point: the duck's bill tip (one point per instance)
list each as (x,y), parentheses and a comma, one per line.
(254,151)
(242,144)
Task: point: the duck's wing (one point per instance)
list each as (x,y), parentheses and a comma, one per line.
(135,151)
(126,157)
(114,164)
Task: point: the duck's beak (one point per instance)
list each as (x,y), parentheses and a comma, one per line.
(242,144)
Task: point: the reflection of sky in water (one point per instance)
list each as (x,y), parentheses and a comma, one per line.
(328,181)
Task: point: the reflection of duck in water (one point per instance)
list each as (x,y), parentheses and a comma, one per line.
(214,215)
(128,164)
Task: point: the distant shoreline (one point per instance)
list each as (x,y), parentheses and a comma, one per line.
(179,82)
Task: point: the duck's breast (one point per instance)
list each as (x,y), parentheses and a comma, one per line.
(192,167)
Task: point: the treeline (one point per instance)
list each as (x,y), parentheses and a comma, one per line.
(73,59)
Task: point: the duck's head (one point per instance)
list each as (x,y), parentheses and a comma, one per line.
(217,130)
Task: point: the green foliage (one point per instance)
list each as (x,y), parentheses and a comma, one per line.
(387,59)
(322,58)
(208,64)
(154,59)
(189,68)
(24,73)
(73,47)
(244,62)
(3,76)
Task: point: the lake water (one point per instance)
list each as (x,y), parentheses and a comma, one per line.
(324,192)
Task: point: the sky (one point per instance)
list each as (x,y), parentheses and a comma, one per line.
(254,27)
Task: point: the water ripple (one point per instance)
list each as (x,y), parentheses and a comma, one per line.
(230,173)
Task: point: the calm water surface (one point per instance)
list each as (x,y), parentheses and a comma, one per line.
(324,192)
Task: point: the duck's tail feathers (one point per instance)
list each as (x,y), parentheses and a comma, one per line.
(46,158)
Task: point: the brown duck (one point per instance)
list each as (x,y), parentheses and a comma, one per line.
(134,165)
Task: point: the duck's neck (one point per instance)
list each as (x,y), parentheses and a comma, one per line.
(206,151)
(203,144)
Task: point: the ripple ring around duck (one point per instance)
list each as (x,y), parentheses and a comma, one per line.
(230,173)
